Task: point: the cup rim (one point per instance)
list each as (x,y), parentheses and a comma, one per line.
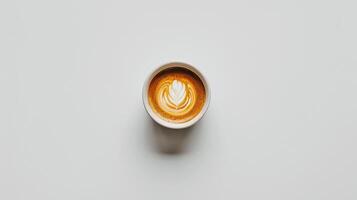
(158,119)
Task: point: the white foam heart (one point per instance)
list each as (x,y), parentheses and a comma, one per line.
(177,92)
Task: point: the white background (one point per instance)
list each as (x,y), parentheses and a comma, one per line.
(282,122)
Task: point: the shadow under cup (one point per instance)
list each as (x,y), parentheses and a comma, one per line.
(176,95)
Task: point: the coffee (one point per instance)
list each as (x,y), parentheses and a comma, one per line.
(176,94)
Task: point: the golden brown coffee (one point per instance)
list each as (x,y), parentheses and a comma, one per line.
(176,94)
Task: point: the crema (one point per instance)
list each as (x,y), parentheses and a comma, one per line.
(176,94)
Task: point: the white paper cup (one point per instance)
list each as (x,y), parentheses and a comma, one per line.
(155,116)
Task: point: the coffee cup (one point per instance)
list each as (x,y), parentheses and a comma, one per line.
(176,95)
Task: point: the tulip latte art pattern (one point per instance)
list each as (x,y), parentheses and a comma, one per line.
(176,95)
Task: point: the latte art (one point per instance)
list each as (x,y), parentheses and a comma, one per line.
(177,92)
(176,95)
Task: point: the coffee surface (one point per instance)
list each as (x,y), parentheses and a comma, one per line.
(176,94)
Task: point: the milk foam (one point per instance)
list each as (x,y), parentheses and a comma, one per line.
(177,92)
(176,97)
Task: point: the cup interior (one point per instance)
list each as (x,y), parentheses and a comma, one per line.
(155,116)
